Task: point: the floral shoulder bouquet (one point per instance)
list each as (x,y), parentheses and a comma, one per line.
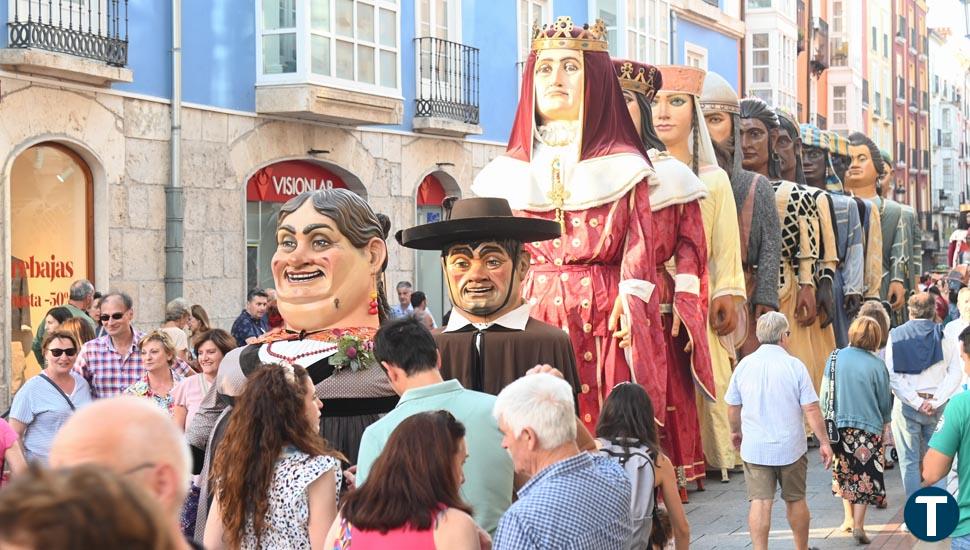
(354,352)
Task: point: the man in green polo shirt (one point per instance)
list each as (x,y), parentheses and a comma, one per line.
(952,439)
(407,352)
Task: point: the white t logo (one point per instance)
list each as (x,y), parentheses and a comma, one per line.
(930,503)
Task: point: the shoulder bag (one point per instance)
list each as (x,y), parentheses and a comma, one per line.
(830,426)
(60,391)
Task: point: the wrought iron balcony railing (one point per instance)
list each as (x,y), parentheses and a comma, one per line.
(447,80)
(96,29)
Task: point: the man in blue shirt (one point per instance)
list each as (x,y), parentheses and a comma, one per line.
(407,352)
(573,500)
(251,324)
(403,308)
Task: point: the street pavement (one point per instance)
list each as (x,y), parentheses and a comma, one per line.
(718,516)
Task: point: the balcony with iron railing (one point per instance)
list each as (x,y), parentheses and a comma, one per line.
(82,41)
(447,99)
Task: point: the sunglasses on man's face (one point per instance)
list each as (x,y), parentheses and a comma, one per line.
(56,352)
(115,316)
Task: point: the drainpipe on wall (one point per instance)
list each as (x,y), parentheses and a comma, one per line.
(174,204)
(673,38)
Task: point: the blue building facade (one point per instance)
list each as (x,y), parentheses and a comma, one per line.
(709,35)
(400,101)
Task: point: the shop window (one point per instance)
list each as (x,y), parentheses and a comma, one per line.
(266,192)
(51,241)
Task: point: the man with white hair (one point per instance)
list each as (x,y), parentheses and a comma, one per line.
(769,393)
(137,440)
(573,499)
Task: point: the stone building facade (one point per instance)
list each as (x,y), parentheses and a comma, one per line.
(124,140)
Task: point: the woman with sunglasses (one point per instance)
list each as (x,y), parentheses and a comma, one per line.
(46,401)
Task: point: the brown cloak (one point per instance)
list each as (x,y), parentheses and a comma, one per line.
(507,354)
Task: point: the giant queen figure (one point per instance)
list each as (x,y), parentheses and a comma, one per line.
(574,156)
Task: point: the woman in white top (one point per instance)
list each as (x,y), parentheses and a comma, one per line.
(276,479)
(46,401)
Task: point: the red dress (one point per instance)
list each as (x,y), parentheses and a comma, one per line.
(574,282)
(608,248)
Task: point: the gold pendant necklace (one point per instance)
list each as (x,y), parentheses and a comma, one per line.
(558,195)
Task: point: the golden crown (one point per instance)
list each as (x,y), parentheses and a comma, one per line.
(641,79)
(563,34)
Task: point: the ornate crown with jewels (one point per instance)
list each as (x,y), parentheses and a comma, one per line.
(563,34)
(638,77)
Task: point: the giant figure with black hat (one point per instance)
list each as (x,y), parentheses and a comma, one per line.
(574,157)
(490,339)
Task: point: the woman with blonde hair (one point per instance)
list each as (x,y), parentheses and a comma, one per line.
(158,357)
(856,396)
(80,328)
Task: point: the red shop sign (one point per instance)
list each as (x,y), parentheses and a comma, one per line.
(282,181)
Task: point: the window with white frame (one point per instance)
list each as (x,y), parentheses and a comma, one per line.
(353,42)
(646,33)
(438,19)
(608,12)
(764,95)
(695,55)
(838,105)
(760,55)
(279,36)
(531,12)
(837,17)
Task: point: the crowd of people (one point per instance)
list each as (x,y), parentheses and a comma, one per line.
(656,280)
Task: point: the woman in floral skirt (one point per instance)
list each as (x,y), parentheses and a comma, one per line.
(861,409)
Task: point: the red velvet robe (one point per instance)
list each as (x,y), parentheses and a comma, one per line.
(574,282)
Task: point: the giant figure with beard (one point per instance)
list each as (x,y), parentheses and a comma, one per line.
(848,281)
(574,157)
(326,240)
(788,148)
(798,218)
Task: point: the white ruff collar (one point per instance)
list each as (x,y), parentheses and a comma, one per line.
(590,183)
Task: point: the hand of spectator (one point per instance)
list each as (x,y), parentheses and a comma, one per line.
(350,478)
(251,340)
(736,440)
(826,451)
(545,369)
(484,540)
(926,408)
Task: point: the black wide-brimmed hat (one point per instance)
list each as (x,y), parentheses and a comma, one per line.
(474,220)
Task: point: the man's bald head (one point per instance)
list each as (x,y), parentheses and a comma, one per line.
(134,438)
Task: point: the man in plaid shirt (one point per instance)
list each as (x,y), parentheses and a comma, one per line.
(113,362)
(573,500)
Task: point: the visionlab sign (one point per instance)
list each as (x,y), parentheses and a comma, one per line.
(282,181)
